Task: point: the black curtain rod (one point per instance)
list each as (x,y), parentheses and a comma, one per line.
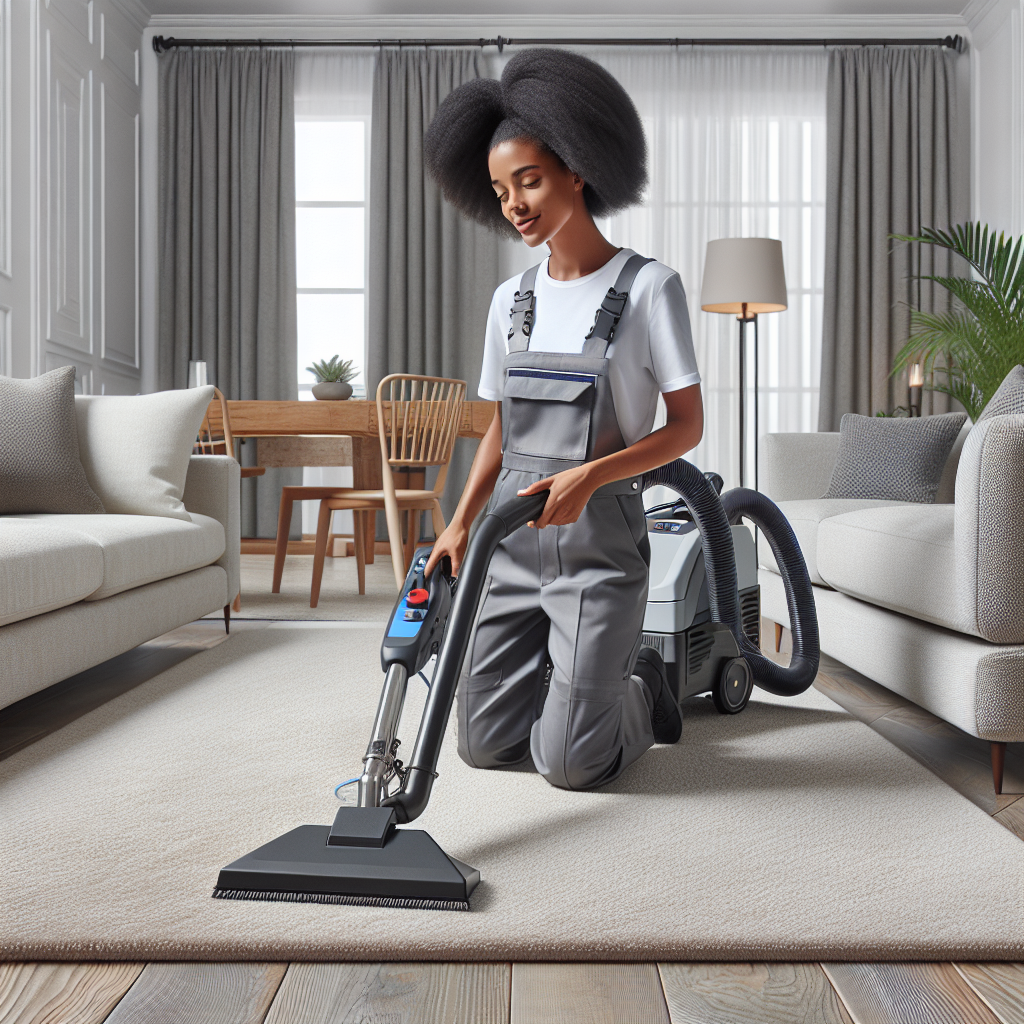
(164,43)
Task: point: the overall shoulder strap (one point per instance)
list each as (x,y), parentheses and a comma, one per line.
(522,312)
(612,306)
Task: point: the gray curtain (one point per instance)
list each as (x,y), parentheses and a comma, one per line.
(432,272)
(227,236)
(893,167)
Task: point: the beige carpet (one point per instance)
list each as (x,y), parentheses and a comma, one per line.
(339,590)
(789,832)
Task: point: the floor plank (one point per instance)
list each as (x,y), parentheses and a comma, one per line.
(395,993)
(1000,985)
(587,994)
(45,993)
(750,994)
(200,993)
(907,993)
(961,761)
(862,697)
(1012,817)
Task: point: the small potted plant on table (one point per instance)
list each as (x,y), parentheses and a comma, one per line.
(332,379)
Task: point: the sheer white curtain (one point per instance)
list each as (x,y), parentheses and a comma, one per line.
(333,83)
(736,143)
(330,86)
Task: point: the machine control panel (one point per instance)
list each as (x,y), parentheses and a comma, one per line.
(668,526)
(419,616)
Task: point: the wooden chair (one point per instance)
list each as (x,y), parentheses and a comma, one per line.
(215,438)
(418,419)
(306,450)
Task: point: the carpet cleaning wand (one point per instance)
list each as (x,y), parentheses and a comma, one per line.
(363,858)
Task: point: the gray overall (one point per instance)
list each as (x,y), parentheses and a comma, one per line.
(573,594)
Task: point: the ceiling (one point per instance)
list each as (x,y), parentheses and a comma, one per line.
(713,9)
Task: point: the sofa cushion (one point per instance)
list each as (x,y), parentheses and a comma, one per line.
(901,558)
(136,448)
(990,528)
(44,566)
(40,468)
(895,459)
(142,549)
(805,517)
(1008,399)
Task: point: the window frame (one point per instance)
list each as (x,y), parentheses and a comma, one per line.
(305,390)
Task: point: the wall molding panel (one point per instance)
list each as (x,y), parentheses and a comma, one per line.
(5,139)
(88,192)
(6,342)
(119,229)
(68,169)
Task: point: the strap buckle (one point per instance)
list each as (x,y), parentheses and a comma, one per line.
(522,304)
(608,316)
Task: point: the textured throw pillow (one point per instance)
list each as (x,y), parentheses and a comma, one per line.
(135,449)
(40,468)
(1009,396)
(892,459)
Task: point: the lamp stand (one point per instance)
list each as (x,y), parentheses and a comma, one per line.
(757,392)
(744,319)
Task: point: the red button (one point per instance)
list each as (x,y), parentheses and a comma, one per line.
(417,596)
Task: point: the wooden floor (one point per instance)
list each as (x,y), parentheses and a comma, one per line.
(523,993)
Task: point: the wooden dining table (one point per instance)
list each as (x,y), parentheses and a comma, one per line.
(354,418)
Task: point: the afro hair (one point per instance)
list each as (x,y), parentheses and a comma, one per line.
(562,101)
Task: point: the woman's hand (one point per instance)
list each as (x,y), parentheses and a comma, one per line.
(570,491)
(451,543)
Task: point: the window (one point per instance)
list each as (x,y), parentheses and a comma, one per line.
(331,243)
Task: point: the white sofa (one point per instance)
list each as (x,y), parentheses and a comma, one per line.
(927,600)
(76,590)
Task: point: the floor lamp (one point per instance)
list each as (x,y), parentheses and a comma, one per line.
(744,277)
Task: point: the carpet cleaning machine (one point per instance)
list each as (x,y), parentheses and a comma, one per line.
(702,619)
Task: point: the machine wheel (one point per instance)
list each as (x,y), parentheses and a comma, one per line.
(734,686)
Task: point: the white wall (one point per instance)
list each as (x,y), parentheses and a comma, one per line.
(997,37)
(69,175)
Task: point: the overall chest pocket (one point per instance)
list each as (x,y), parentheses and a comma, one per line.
(547,414)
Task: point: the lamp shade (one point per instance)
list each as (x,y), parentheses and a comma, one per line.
(744,270)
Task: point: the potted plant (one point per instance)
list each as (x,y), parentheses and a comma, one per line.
(333,376)
(977,342)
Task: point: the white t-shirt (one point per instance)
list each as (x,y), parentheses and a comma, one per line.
(653,347)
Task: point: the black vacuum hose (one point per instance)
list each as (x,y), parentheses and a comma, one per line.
(713,517)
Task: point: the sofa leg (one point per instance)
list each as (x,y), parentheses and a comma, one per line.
(227,619)
(998,761)
(778,637)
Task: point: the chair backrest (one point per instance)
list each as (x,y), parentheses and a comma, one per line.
(418,419)
(215,436)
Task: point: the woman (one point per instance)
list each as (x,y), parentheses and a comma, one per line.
(576,353)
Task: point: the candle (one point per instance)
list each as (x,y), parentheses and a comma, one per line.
(916,383)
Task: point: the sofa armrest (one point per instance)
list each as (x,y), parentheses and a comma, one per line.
(988,532)
(795,467)
(212,488)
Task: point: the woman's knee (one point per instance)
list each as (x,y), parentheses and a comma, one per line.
(577,768)
(486,750)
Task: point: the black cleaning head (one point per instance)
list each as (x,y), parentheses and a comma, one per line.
(359,861)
